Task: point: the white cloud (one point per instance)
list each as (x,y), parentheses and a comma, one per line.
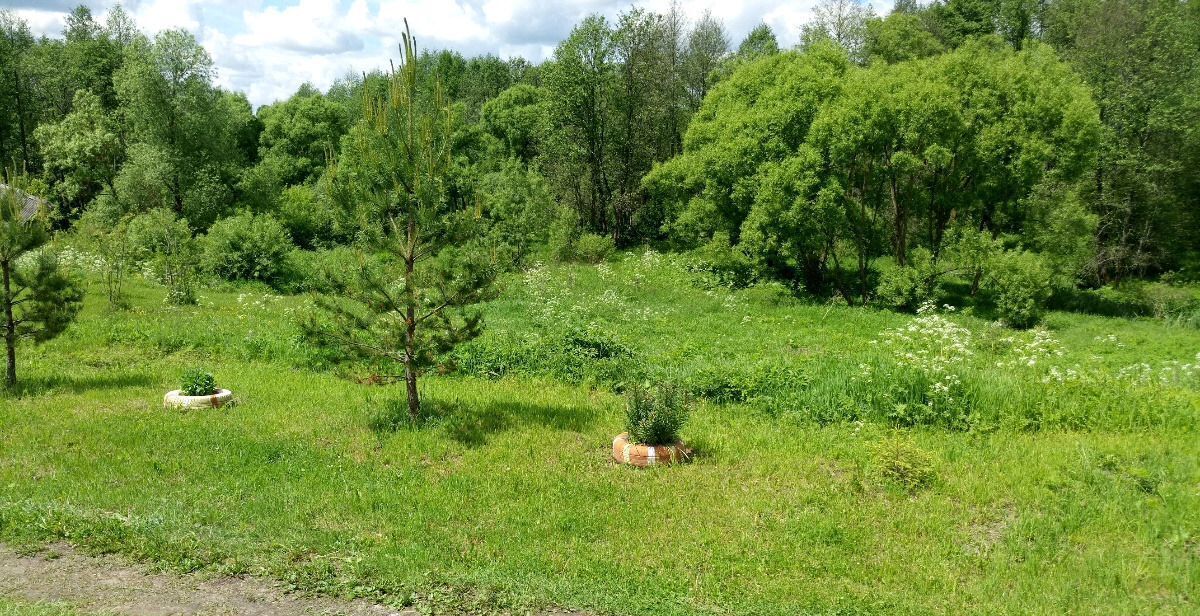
(42,22)
(159,15)
(312,26)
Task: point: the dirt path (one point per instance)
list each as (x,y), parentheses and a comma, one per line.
(111,585)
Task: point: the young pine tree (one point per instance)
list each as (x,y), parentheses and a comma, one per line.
(39,301)
(395,176)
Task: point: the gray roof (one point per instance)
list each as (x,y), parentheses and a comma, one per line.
(30,205)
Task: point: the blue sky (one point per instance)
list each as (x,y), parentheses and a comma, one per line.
(267,48)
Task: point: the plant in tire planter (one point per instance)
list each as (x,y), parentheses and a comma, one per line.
(197,389)
(653,418)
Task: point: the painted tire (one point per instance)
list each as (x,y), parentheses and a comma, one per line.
(625,452)
(176,400)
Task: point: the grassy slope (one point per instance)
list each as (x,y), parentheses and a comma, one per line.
(510,500)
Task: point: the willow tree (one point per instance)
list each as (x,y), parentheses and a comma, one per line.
(395,176)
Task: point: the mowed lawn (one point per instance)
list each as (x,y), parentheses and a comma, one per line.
(506,499)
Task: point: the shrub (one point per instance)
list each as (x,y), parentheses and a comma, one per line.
(728,266)
(247,247)
(173,255)
(206,199)
(116,254)
(900,460)
(315,270)
(519,205)
(909,286)
(1020,284)
(564,232)
(655,416)
(309,219)
(197,382)
(594,248)
(1164,301)
(918,381)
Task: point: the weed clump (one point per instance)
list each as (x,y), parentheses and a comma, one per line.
(900,460)
(197,382)
(655,416)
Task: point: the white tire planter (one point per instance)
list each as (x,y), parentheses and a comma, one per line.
(176,400)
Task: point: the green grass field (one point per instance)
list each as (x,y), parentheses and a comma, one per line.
(1071,485)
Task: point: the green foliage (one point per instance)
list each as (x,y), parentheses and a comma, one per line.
(206,199)
(39,300)
(186,131)
(900,460)
(910,286)
(517,117)
(119,253)
(309,217)
(246,247)
(82,152)
(299,134)
(795,154)
(1020,283)
(143,183)
(899,37)
(197,382)
(518,205)
(394,176)
(654,416)
(727,266)
(166,242)
(593,248)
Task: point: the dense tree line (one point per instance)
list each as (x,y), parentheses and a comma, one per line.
(945,138)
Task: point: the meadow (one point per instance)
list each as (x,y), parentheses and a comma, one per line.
(849,460)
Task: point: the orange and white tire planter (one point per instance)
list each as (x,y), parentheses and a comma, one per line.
(625,452)
(176,400)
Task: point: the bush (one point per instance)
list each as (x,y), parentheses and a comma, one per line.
(309,219)
(247,247)
(1163,301)
(593,248)
(197,382)
(117,254)
(901,461)
(166,241)
(655,416)
(564,232)
(315,270)
(519,205)
(206,199)
(728,266)
(907,287)
(1020,284)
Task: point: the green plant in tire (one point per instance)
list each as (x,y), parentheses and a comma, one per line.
(654,416)
(196,382)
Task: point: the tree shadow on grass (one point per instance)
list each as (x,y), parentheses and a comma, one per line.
(75,384)
(474,424)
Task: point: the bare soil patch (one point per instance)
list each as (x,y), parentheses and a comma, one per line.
(112,585)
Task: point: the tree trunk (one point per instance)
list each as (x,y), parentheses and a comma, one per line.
(21,120)
(410,322)
(10,326)
(900,226)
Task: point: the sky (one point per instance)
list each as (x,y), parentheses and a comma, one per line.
(268,48)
